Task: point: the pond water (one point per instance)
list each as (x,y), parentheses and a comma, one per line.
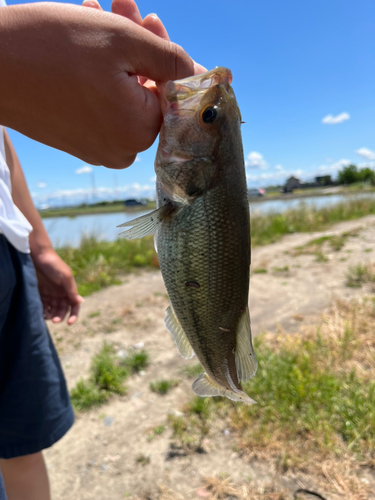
(69,230)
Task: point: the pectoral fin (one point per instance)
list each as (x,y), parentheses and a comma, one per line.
(204,387)
(246,363)
(172,325)
(147,224)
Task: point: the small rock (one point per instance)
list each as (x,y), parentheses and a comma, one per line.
(108,421)
(139,345)
(142,373)
(123,354)
(104,467)
(136,395)
(176,413)
(226,432)
(203,493)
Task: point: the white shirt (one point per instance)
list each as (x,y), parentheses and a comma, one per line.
(13,225)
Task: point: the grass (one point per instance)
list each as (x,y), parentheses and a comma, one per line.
(137,361)
(97,264)
(315,394)
(359,274)
(162,387)
(271,227)
(98,208)
(318,245)
(259,270)
(107,377)
(156,431)
(193,371)
(190,430)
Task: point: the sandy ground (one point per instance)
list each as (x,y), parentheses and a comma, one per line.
(97,458)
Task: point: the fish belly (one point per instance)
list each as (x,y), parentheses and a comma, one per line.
(204,255)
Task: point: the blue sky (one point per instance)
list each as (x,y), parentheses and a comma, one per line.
(304,77)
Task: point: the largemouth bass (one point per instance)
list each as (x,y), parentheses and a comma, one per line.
(202,230)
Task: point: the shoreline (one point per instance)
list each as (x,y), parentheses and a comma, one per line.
(120,208)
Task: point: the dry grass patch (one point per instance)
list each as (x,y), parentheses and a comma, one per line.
(316,403)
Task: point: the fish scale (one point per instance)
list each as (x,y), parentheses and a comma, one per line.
(205,243)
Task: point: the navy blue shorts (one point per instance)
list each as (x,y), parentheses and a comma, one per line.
(35,409)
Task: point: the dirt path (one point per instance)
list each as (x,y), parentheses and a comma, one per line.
(97,459)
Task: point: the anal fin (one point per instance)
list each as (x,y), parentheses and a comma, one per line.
(246,363)
(206,387)
(173,326)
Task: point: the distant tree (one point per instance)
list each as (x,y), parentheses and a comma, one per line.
(348,175)
(367,175)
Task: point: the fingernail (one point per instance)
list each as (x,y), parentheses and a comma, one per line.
(154,16)
(89,3)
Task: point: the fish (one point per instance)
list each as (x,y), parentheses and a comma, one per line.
(201,230)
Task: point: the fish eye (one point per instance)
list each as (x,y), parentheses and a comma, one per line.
(209,114)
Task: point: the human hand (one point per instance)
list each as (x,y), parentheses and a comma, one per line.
(57,287)
(73,82)
(152,23)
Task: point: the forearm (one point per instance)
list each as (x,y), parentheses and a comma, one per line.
(39,239)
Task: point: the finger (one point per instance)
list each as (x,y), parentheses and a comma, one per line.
(92,4)
(74,310)
(152,23)
(61,312)
(127,8)
(52,313)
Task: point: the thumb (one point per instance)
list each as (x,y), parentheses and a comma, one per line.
(152,57)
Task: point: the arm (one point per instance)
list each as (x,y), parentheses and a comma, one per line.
(69,80)
(57,287)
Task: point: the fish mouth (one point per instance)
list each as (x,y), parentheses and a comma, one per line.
(172,93)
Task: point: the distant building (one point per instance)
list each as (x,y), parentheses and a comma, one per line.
(323,180)
(291,184)
(133,202)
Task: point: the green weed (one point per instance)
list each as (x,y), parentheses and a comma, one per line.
(137,361)
(163,386)
(271,227)
(143,459)
(97,264)
(359,274)
(259,270)
(193,371)
(156,431)
(94,314)
(107,376)
(85,395)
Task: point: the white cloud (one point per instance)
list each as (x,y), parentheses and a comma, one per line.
(41,184)
(101,193)
(279,175)
(256,160)
(366,153)
(333,120)
(333,168)
(86,169)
